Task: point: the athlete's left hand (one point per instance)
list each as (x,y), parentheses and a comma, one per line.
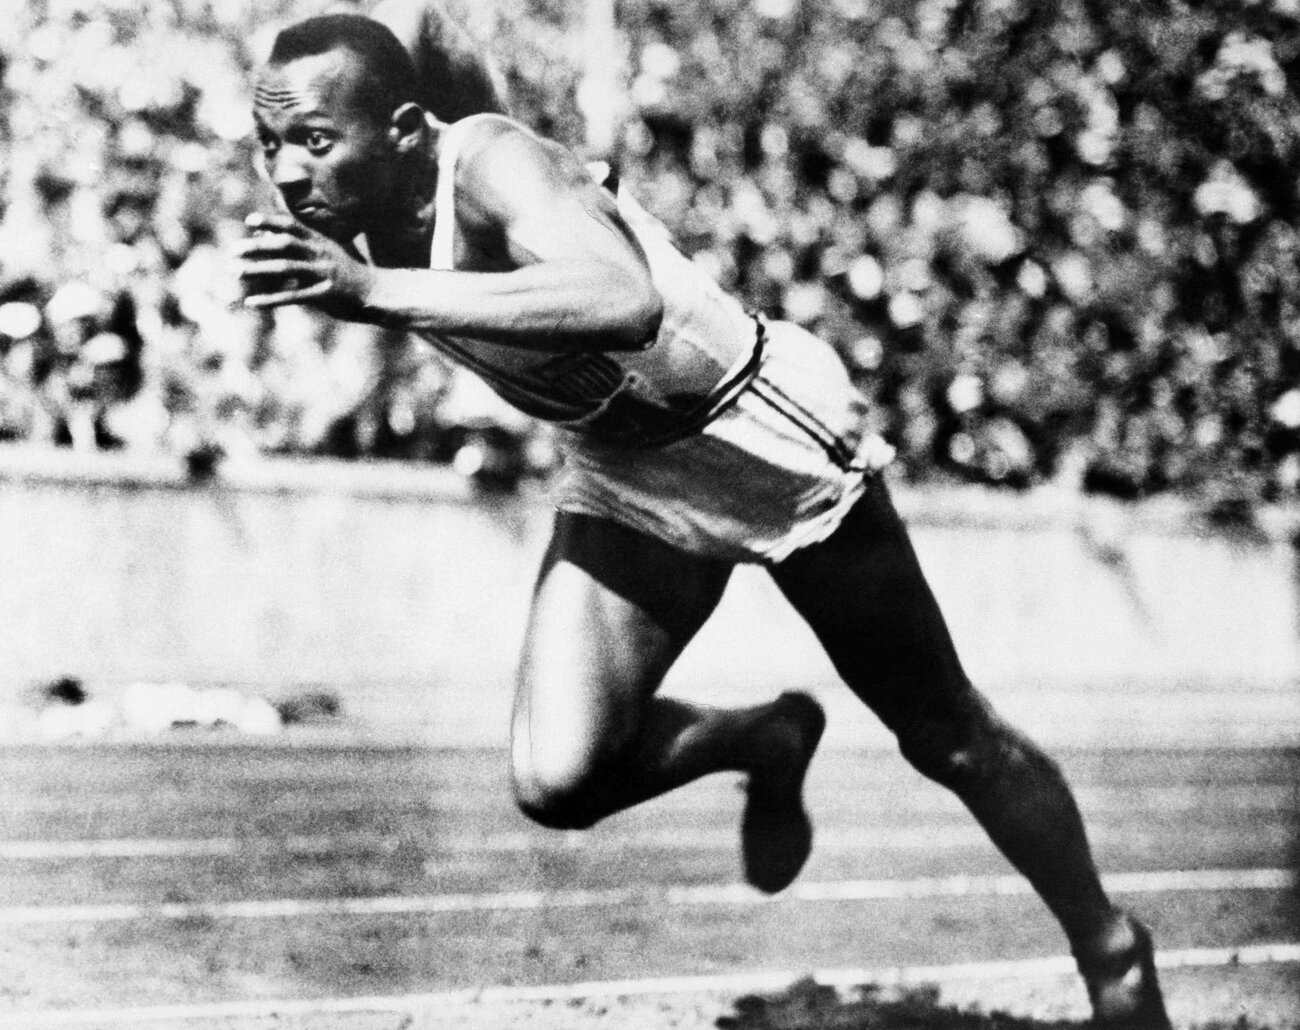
(283,262)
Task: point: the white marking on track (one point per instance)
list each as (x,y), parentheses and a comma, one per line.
(709,894)
(195,847)
(928,838)
(729,983)
(307,796)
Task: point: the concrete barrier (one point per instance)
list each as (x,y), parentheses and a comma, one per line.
(393,586)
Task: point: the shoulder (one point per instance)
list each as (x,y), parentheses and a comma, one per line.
(490,143)
(483,126)
(501,163)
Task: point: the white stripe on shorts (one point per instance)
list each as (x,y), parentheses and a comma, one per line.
(776,471)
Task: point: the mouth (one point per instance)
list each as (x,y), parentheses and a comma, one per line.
(322,218)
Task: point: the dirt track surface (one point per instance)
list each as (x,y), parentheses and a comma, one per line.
(208,875)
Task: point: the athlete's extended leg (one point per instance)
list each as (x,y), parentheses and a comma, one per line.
(612,610)
(866,598)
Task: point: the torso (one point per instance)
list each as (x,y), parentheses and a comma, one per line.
(701,354)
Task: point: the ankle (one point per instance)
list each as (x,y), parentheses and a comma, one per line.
(1110,947)
(1120,974)
(783,736)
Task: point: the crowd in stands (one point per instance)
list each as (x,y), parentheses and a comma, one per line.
(1056,240)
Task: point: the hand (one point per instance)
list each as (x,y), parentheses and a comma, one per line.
(284,262)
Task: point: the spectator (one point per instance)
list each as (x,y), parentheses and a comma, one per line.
(1020,209)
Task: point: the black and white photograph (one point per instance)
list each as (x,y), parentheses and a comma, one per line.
(649,515)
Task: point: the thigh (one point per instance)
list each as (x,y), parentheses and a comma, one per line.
(613,608)
(865,596)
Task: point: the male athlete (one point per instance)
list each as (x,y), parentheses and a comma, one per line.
(695,437)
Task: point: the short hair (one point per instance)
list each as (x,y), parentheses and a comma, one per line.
(387,67)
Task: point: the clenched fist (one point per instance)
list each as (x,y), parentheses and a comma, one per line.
(283,262)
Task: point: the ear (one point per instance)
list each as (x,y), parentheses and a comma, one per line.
(406,127)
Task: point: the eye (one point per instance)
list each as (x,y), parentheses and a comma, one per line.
(319,142)
(269,144)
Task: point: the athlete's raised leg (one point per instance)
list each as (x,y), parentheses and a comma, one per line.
(612,610)
(865,596)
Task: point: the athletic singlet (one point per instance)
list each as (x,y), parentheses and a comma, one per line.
(706,351)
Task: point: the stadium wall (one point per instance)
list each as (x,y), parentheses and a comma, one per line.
(396,588)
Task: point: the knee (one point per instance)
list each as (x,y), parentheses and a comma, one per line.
(557,791)
(964,752)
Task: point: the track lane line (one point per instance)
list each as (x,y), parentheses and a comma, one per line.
(197,847)
(731,983)
(927,838)
(704,895)
(440,802)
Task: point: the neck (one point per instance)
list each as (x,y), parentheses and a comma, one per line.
(405,235)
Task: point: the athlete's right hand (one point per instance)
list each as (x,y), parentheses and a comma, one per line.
(284,262)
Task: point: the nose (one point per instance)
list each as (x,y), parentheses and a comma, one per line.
(288,172)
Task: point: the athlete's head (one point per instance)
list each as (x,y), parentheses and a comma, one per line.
(335,113)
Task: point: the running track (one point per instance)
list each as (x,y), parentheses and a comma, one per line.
(188,880)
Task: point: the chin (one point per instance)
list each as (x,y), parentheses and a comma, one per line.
(337,231)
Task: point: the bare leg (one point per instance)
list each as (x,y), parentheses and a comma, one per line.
(612,610)
(865,596)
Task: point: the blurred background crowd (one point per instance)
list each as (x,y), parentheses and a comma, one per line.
(1055,240)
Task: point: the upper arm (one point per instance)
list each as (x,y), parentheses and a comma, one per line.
(543,204)
(538,215)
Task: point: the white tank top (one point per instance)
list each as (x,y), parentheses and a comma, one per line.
(705,352)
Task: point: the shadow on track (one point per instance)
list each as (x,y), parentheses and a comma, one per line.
(808,1005)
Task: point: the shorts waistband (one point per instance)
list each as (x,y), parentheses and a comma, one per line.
(722,397)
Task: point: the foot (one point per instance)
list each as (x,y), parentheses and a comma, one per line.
(775,831)
(1122,985)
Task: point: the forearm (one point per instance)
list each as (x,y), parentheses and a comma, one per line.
(545,307)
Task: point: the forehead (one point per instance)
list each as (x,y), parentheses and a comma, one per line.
(326,84)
